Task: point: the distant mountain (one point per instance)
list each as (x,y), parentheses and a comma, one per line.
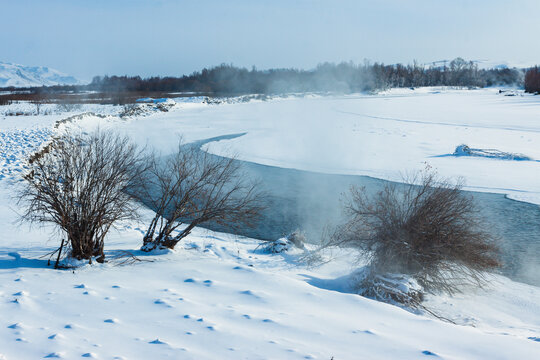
(25,76)
(491,64)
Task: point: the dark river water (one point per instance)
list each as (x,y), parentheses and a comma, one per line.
(311,202)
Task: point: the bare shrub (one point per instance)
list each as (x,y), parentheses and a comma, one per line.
(131,109)
(297,238)
(68,107)
(191,188)
(81,184)
(430,231)
(38,106)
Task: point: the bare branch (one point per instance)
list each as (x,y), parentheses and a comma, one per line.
(82,184)
(431,231)
(192,187)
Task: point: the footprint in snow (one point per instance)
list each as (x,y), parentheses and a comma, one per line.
(243,268)
(89,355)
(16,326)
(162,302)
(208,283)
(53,355)
(81,286)
(250,293)
(115,287)
(158,342)
(429,353)
(111,321)
(533,338)
(190,280)
(55,337)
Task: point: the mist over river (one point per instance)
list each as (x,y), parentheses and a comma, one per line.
(312,202)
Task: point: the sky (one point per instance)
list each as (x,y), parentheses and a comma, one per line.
(175,37)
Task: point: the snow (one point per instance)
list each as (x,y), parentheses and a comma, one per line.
(388,136)
(221,296)
(464,150)
(24,108)
(17,75)
(217,297)
(385,136)
(16,146)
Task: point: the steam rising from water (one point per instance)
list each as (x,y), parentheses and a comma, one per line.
(311,201)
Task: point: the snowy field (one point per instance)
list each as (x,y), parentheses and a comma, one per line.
(217,295)
(388,136)
(384,136)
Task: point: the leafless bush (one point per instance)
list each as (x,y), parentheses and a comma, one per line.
(68,107)
(430,231)
(131,109)
(81,184)
(38,106)
(191,188)
(297,238)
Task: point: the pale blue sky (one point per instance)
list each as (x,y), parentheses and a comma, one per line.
(168,37)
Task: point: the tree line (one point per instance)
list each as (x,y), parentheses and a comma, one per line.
(345,77)
(342,77)
(532,80)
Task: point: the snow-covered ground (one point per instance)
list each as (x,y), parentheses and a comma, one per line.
(390,135)
(218,296)
(384,136)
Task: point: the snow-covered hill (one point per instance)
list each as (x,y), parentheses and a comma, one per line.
(24,76)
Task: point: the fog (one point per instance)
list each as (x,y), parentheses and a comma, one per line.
(313,202)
